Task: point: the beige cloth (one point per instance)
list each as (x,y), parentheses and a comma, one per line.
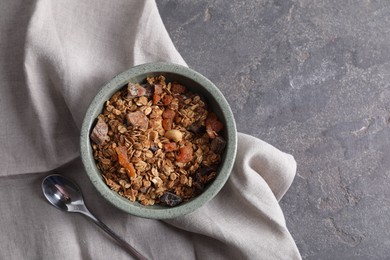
(54,57)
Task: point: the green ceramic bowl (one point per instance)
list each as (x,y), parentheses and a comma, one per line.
(196,83)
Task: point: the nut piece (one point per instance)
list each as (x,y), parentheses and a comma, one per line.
(174,135)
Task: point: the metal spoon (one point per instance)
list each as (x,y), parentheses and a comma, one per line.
(66,195)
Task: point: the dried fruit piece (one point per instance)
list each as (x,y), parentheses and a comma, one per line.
(99,132)
(124,160)
(218,145)
(167,100)
(131,170)
(170,199)
(213,125)
(156,99)
(135,90)
(169,147)
(196,128)
(185,154)
(167,123)
(204,171)
(158,89)
(168,113)
(138,119)
(178,88)
(153,148)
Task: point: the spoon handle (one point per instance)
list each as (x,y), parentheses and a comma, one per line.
(117,238)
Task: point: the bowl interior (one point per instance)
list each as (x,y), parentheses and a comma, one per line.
(194,82)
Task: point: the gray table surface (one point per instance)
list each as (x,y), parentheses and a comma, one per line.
(313,79)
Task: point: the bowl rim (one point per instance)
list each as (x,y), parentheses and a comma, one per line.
(94,174)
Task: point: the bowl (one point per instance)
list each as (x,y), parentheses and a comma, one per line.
(194,82)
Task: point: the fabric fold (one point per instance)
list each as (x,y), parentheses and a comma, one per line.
(245,215)
(54,61)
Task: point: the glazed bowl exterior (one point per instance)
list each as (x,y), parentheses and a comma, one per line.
(194,82)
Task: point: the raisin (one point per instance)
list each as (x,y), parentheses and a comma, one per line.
(198,186)
(153,148)
(177,88)
(218,145)
(196,128)
(203,172)
(170,199)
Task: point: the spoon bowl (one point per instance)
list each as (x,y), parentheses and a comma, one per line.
(62,193)
(66,195)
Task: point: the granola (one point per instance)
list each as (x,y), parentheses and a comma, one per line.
(157,142)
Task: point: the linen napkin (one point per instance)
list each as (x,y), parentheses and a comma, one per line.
(55,56)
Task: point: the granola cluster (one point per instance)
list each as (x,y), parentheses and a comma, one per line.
(157,142)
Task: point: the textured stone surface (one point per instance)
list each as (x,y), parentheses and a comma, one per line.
(313,79)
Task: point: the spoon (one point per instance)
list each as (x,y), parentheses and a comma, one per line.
(66,195)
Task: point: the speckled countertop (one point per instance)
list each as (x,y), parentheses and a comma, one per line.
(313,79)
